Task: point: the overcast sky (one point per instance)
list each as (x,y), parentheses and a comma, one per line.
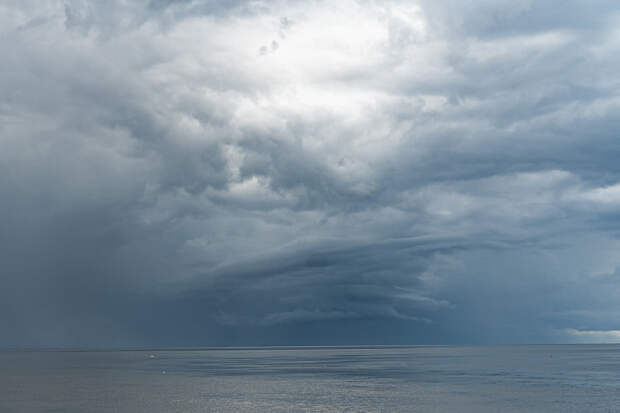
(210,172)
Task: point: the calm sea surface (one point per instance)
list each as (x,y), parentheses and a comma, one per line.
(575,378)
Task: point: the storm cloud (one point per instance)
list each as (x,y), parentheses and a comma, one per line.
(245,172)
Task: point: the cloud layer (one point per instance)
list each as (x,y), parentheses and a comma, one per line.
(248,172)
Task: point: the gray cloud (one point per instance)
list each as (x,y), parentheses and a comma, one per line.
(446,174)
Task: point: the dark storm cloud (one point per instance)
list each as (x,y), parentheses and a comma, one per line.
(447,174)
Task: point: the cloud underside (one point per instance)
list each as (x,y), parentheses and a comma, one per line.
(203,172)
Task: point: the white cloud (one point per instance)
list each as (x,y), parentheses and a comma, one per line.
(594,336)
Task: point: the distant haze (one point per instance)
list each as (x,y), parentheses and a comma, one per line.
(210,172)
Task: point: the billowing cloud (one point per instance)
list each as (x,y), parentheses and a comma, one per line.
(248,172)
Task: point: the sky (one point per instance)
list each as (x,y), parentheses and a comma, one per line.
(213,173)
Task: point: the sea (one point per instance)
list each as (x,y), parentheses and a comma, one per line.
(526,378)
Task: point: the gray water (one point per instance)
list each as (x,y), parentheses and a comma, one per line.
(572,378)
